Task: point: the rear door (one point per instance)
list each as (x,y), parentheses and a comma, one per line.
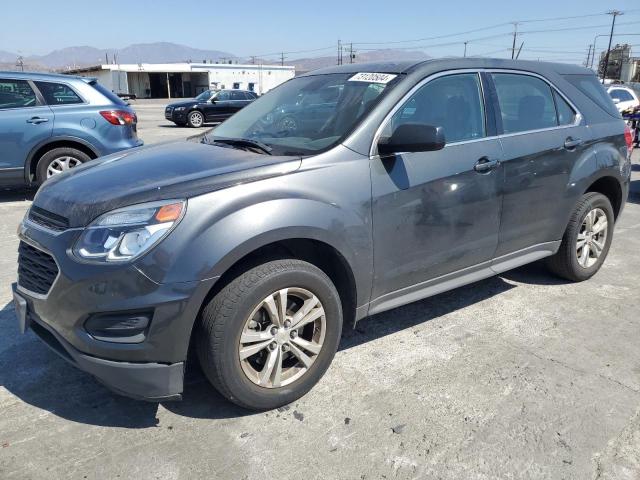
(239,100)
(543,137)
(24,122)
(435,213)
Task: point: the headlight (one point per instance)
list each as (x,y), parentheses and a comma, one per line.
(179,109)
(127,233)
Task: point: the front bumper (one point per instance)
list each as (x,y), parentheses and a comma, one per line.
(142,381)
(177,116)
(151,369)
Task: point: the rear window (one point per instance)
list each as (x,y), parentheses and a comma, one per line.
(592,88)
(108,93)
(58,93)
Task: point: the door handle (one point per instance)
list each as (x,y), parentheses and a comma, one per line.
(485,165)
(37,120)
(571,143)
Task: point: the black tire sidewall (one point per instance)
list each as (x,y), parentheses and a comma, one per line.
(243,390)
(46,160)
(597,201)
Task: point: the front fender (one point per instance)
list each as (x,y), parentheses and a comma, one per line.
(222,227)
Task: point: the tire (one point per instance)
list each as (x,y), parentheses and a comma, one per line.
(230,313)
(566,262)
(58,160)
(195,119)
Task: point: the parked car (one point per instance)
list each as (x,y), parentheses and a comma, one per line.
(624,98)
(50,123)
(254,247)
(209,106)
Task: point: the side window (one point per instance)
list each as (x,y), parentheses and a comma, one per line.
(621,95)
(238,96)
(566,114)
(453,102)
(592,88)
(222,96)
(58,93)
(526,103)
(16,94)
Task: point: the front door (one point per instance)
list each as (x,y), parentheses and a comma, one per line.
(219,107)
(24,123)
(435,213)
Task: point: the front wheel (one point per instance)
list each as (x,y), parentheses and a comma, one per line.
(270,334)
(195,119)
(587,239)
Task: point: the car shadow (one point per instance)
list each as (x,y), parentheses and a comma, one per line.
(17,194)
(37,376)
(634,192)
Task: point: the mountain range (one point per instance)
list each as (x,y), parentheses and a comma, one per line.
(165,52)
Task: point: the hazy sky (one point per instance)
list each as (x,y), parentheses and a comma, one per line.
(258,28)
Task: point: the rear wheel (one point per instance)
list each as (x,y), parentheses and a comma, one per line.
(586,241)
(195,119)
(59,160)
(269,335)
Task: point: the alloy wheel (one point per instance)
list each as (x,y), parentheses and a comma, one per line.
(196,119)
(282,337)
(592,237)
(62,164)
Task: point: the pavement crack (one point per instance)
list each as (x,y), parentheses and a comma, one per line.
(578,370)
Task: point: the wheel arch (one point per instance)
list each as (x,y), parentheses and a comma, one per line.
(58,142)
(610,187)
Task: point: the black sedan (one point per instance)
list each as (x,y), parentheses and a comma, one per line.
(209,106)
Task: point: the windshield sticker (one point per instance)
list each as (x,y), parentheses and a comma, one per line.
(373,77)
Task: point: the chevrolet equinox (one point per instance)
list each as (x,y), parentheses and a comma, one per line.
(253,246)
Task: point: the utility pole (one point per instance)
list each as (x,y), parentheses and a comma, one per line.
(339,52)
(351,54)
(586,64)
(465,49)
(282,59)
(253,59)
(515,35)
(20,63)
(614,14)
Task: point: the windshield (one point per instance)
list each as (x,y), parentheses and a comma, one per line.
(204,96)
(306,115)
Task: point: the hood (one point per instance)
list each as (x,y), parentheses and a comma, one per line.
(158,172)
(184,103)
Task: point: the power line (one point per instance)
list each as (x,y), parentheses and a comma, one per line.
(566,29)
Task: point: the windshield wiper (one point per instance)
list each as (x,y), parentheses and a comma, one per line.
(244,142)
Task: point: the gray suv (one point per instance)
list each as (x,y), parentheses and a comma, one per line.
(50,123)
(253,247)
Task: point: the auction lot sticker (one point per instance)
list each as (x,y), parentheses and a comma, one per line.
(373,77)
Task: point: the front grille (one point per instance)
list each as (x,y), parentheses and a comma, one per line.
(37,270)
(48,220)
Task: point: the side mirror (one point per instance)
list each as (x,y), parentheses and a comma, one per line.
(212,100)
(412,137)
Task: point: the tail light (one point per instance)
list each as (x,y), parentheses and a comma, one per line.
(628,137)
(119,117)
